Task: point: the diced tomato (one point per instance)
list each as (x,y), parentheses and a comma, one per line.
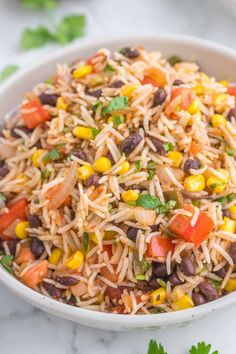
(186,96)
(159,247)
(108,249)
(155,77)
(114,294)
(36,274)
(120,309)
(25,255)
(18,210)
(231,90)
(195,148)
(198,233)
(33,114)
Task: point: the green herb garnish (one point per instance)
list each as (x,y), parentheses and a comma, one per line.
(226,199)
(168,146)
(148,201)
(50,81)
(214,185)
(6,263)
(35,38)
(164,208)
(155,348)
(95,132)
(196,203)
(2,197)
(122,51)
(117,120)
(161,283)
(117,103)
(151,165)
(52,155)
(151,174)
(39,4)
(96,106)
(140,277)
(137,165)
(202,348)
(144,265)
(216,283)
(8,71)
(85,242)
(175,59)
(45,174)
(109,68)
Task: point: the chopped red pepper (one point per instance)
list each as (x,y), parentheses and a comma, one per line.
(33,114)
(108,249)
(198,233)
(231,90)
(18,210)
(159,247)
(155,77)
(186,96)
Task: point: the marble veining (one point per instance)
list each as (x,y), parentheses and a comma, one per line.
(26,330)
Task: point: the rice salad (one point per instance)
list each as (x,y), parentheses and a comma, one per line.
(118,185)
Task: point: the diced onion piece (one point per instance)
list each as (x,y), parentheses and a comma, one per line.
(145,217)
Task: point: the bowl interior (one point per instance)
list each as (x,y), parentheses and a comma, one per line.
(214,60)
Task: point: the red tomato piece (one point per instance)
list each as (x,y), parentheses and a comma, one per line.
(159,247)
(18,210)
(186,96)
(33,114)
(155,77)
(231,90)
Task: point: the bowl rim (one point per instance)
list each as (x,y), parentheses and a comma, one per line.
(77,313)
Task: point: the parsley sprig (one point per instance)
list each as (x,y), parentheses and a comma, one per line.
(6,263)
(201,348)
(151,202)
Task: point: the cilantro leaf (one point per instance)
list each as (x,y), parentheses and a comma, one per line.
(35,38)
(45,174)
(6,262)
(109,68)
(140,277)
(196,203)
(40,4)
(202,348)
(155,348)
(95,132)
(8,71)
(137,165)
(216,283)
(117,120)
(151,174)
(151,165)
(168,146)
(174,60)
(144,265)
(115,104)
(148,201)
(69,28)
(226,199)
(85,241)
(52,155)
(164,208)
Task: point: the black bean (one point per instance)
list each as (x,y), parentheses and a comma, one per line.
(80,154)
(137,186)
(159,97)
(37,247)
(155,227)
(116,84)
(231,114)
(2,162)
(72,301)
(159,145)
(178,82)
(50,99)
(208,291)
(34,221)
(198,299)
(187,266)
(67,280)
(3,171)
(131,143)
(174,279)
(92,180)
(1,245)
(147,285)
(38,144)
(12,246)
(159,270)
(114,294)
(132,233)
(222,271)
(22,128)
(191,164)
(95,93)
(110,157)
(226,213)
(54,292)
(232,251)
(130,52)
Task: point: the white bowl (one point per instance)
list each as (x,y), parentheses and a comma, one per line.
(215,60)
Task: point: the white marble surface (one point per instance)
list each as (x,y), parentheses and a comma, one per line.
(26,330)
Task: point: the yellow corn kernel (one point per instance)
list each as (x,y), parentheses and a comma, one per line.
(129,196)
(229,225)
(194,183)
(177,293)
(37,157)
(55,256)
(217,120)
(158,296)
(23,178)
(220,98)
(110,119)
(20,229)
(199,89)
(103,164)
(194,107)
(185,302)
(224,83)
(82,71)
(75,261)
(216,184)
(176,157)
(232,211)
(93,236)
(85,172)
(100,299)
(109,235)
(128,90)
(83,133)
(125,167)
(61,103)
(230,285)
